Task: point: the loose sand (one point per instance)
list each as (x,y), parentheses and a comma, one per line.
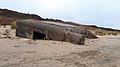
(20,52)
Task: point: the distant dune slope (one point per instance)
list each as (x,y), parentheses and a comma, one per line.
(7,17)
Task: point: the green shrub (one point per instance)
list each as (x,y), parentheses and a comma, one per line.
(13,25)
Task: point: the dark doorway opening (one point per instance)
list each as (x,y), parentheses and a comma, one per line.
(38,35)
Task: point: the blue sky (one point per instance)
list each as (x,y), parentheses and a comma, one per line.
(105,13)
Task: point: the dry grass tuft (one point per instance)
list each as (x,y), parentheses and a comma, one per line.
(102,32)
(13,25)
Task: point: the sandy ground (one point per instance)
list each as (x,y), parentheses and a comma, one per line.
(20,52)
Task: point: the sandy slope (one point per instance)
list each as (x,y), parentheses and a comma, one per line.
(20,52)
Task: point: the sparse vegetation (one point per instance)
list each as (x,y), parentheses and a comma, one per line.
(102,32)
(13,25)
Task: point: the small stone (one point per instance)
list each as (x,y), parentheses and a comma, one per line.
(16,46)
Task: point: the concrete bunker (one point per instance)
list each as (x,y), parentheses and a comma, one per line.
(35,29)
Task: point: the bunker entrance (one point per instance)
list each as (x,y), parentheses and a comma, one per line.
(38,35)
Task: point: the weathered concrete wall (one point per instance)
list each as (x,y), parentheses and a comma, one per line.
(74,38)
(90,35)
(25,28)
